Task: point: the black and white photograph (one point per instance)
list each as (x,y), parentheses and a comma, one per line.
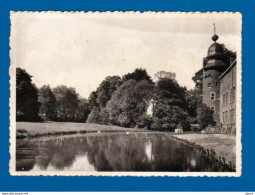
(126,93)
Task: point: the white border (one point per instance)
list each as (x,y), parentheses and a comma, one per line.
(12,104)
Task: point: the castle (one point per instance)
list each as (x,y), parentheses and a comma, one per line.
(219,87)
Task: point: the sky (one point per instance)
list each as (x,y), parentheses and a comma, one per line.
(80,49)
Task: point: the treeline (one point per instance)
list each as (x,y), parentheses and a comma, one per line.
(133,100)
(45,104)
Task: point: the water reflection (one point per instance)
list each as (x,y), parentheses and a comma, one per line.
(110,152)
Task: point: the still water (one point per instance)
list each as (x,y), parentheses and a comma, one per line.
(110,152)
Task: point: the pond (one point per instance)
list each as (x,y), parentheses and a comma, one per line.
(111,152)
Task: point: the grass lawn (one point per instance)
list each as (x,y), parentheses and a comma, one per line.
(223,145)
(31,129)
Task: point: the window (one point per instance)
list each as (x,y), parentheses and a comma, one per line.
(213,109)
(226,116)
(212,96)
(224,99)
(209,85)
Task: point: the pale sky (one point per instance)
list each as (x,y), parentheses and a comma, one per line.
(81,49)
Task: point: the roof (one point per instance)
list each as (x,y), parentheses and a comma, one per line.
(215,63)
(228,69)
(215,49)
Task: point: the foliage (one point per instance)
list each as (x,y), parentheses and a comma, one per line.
(106,89)
(82,111)
(204,116)
(99,98)
(198,79)
(104,116)
(228,55)
(163,74)
(94,116)
(67,103)
(129,102)
(93,100)
(48,103)
(138,75)
(27,105)
(169,106)
(144,121)
(192,97)
(170,91)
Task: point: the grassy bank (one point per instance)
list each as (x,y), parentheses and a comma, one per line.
(223,145)
(31,129)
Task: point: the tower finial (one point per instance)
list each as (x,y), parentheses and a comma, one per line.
(214,37)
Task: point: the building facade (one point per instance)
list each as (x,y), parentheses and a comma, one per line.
(228,100)
(219,87)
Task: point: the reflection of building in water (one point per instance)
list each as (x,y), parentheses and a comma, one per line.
(219,84)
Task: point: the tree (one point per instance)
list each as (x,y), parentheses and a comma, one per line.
(163,74)
(94,116)
(228,55)
(198,79)
(204,116)
(106,89)
(138,75)
(169,107)
(129,103)
(93,100)
(169,90)
(99,98)
(48,103)
(27,105)
(67,103)
(83,110)
(193,97)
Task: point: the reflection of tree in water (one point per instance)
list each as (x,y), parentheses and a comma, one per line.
(169,155)
(25,155)
(114,152)
(118,153)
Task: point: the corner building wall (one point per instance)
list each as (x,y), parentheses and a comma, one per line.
(211,92)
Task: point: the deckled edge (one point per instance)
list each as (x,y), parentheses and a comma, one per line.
(12,105)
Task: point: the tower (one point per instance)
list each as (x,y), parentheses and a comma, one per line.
(213,67)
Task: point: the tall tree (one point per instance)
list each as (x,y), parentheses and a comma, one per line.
(27,105)
(169,107)
(228,55)
(129,103)
(83,110)
(106,89)
(48,103)
(198,79)
(204,116)
(193,97)
(99,98)
(67,103)
(138,75)
(163,74)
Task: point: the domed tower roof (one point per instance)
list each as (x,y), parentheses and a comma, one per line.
(214,55)
(215,49)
